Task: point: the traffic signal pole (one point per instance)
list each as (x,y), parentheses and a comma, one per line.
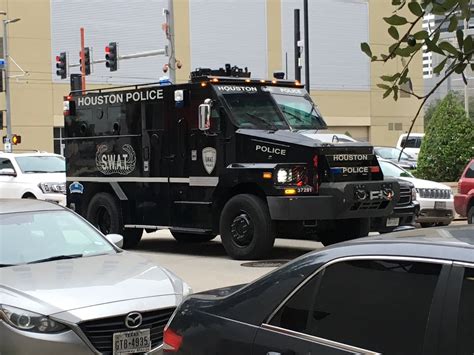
(83,60)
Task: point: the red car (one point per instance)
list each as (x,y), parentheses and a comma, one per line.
(464,199)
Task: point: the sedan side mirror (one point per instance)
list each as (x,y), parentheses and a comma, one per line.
(7,172)
(116,239)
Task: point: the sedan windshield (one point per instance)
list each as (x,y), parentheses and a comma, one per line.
(41,164)
(392,170)
(45,236)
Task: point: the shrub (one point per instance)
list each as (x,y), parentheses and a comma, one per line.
(448,144)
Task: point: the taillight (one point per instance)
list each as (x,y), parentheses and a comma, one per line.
(171,341)
(316,174)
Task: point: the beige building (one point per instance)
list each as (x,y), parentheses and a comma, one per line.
(36,93)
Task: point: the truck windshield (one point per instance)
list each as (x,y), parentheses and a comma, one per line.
(271,107)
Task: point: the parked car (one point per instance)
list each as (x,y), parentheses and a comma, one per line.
(464,199)
(36,175)
(412,145)
(402,293)
(328,137)
(406,161)
(67,289)
(436,200)
(404,213)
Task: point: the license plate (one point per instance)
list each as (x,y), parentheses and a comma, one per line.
(393,222)
(134,341)
(440,205)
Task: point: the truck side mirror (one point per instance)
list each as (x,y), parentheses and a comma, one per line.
(204,117)
(7,172)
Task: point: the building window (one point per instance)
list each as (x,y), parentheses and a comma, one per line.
(58,134)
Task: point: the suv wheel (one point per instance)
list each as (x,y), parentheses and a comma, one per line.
(246,227)
(105,213)
(470,215)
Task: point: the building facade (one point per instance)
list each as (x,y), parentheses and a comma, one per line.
(257,34)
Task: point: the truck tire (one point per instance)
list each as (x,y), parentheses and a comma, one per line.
(192,238)
(344,230)
(470,215)
(105,213)
(246,228)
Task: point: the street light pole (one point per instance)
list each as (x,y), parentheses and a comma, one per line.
(466,97)
(8,144)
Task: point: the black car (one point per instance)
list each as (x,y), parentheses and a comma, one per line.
(404,213)
(403,293)
(406,161)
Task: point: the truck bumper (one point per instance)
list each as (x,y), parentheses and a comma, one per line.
(336,201)
(401,217)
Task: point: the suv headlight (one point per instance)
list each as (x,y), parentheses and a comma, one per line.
(52,187)
(413,194)
(29,321)
(294,175)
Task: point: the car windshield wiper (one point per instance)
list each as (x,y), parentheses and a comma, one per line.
(263,120)
(57,257)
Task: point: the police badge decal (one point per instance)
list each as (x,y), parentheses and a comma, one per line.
(209,157)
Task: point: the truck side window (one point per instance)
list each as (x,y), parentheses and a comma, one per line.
(366,303)
(470,171)
(154,112)
(465,339)
(6,164)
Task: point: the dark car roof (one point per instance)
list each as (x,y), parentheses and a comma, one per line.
(27,205)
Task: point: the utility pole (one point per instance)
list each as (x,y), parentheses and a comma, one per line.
(8,141)
(466,95)
(297,45)
(306,47)
(170,35)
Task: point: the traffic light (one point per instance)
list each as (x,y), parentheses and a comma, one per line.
(111,56)
(87,60)
(16,139)
(61,65)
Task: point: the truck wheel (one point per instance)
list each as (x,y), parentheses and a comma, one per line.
(192,238)
(246,228)
(104,212)
(470,215)
(344,230)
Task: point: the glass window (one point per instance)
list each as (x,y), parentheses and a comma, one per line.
(6,164)
(32,236)
(465,339)
(392,170)
(300,111)
(377,305)
(392,153)
(41,164)
(470,171)
(413,142)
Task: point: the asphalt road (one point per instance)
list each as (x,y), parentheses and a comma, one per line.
(206,266)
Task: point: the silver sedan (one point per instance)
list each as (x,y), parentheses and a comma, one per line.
(67,289)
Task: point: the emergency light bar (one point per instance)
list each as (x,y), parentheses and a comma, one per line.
(229,71)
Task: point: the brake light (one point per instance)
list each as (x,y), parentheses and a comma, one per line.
(316,174)
(375,169)
(171,341)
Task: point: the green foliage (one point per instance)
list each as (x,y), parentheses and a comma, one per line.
(409,40)
(429,111)
(448,144)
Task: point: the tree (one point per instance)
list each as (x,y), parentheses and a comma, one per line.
(448,144)
(408,41)
(429,112)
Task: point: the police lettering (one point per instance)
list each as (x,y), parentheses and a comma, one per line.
(120,98)
(270,150)
(355,170)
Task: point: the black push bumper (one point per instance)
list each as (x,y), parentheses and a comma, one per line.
(406,218)
(339,200)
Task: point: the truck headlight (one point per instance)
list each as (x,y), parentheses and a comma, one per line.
(294,175)
(52,187)
(413,194)
(29,321)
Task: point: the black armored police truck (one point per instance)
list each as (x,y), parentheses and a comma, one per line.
(222,154)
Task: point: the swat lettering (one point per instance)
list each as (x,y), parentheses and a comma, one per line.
(114,162)
(120,98)
(270,150)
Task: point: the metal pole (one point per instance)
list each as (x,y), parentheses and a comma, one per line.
(466,96)
(297,47)
(306,46)
(83,61)
(172,59)
(8,145)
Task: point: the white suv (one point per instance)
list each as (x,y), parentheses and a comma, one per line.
(33,175)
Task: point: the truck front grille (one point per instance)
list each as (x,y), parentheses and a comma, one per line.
(435,193)
(100,331)
(405,197)
(369,205)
